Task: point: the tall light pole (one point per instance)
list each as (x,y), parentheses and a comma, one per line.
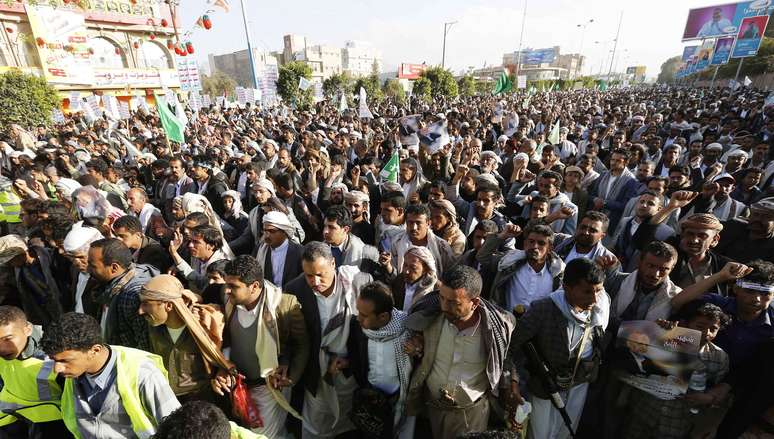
(580,51)
(521,39)
(446,27)
(249,46)
(615,46)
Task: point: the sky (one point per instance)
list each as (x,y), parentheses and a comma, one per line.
(412,31)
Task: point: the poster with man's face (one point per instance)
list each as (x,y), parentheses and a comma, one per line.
(656,360)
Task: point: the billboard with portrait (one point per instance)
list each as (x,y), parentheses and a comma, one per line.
(722,51)
(689,52)
(722,20)
(750,35)
(538,56)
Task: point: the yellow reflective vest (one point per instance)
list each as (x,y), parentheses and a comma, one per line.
(10,206)
(27,383)
(127,381)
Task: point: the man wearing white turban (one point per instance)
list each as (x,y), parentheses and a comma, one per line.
(76,246)
(245,243)
(279,254)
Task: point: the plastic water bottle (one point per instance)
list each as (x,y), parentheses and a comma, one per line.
(697,383)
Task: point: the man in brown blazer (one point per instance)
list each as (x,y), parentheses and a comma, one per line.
(266,335)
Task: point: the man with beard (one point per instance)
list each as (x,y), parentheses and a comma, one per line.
(392,216)
(458,324)
(24,363)
(358,204)
(670,158)
(577,314)
(587,242)
(522,275)
(716,199)
(328,301)
(699,234)
(746,240)
(614,188)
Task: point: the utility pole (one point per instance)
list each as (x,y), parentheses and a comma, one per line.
(446,27)
(521,39)
(249,47)
(615,45)
(738,70)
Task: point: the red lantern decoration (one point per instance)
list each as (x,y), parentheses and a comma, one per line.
(9,30)
(189,47)
(136,45)
(164,22)
(207,22)
(41,42)
(152,37)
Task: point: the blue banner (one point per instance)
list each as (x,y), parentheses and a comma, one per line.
(750,35)
(688,52)
(538,56)
(722,52)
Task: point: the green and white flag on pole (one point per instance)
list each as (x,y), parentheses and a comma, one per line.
(390,170)
(553,137)
(503,84)
(174,128)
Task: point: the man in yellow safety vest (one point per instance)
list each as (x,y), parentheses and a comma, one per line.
(110,391)
(30,391)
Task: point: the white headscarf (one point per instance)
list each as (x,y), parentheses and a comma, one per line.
(282,222)
(236,208)
(192,202)
(80,238)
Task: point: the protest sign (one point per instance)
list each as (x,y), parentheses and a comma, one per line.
(750,35)
(656,360)
(408,127)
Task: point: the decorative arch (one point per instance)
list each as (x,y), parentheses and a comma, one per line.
(152,55)
(107,54)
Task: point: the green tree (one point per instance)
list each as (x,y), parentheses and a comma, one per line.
(467,85)
(287,84)
(668,70)
(218,84)
(335,85)
(394,90)
(484,86)
(441,81)
(423,89)
(372,86)
(26,100)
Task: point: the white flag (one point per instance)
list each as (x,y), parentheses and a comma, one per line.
(304,83)
(435,136)
(408,127)
(179,110)
(363,110)
(747,81)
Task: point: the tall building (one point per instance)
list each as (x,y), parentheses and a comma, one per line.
(572,62)
(360,59)
(237,65)
(325,61)
(293,47)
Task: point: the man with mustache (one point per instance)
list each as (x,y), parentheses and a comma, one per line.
(523,276)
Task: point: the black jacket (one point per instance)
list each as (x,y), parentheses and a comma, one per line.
(216,185)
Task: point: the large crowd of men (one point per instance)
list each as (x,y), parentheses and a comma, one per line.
(311,274)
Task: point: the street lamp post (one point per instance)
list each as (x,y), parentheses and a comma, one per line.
(446,27)
(580,51)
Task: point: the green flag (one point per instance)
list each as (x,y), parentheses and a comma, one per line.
(503,84)
(390,170)
(553,138)
(174,128)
